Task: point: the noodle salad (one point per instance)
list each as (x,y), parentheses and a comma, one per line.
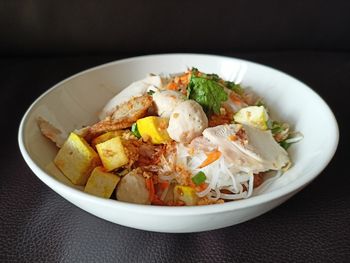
(183,139)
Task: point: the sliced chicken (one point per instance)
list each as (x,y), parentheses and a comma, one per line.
(187,121)
(263,144)
(202,144)
(247,148)
(166,101)
(135,89)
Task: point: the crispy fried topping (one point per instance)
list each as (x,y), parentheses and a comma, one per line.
(219,119)
(207,201)
(143,154)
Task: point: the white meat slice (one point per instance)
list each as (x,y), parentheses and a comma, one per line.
(135,89)
(263,144)
(259,153)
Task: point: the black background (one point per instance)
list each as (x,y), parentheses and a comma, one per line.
(43,42)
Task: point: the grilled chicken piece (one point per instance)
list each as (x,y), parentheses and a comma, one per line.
(135,89)
(123,116)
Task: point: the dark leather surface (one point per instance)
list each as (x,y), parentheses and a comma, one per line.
(138,26)
(37,225)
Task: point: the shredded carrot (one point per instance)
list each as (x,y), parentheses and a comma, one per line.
(184,79)
(201,187)
(232,137)
(211,157)
(150,187)
(163,185)
(172,86)
(235,98)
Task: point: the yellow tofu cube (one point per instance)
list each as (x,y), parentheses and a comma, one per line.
(105,137)
(112,153)
(76,159)
(185,194)
(255,116)
(154,128)
(101,183)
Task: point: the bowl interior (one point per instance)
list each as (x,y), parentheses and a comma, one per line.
(76,102)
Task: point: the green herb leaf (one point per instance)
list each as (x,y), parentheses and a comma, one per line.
(269,124)
(235,87)
(199,178)
(150,92)
(277,127)
(212,76)
(207,92)
(135,130)
(285,144)
(260,102)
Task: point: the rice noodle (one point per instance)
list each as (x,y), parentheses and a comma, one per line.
(250,185)
(220,175)
(211,185)
(233,196)
(295,139)
(243,177)
(217,194)
(234,182)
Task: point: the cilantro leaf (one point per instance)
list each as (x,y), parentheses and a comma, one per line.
(235,87)
(285,144)
(207,92)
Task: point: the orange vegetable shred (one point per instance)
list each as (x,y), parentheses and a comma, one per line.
(211,157)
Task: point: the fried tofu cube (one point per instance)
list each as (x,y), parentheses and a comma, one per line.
(101,183)
(154,128)
(185,194)
(112,153)
(105,137)
(76,159)
(255,116)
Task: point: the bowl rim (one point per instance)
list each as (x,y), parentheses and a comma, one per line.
(60,187)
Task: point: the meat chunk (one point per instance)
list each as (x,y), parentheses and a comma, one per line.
(135,89)
(187,121)
(124,115)
(166,101)
(132,188)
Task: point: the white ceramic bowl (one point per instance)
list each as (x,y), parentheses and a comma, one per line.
(77,100)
